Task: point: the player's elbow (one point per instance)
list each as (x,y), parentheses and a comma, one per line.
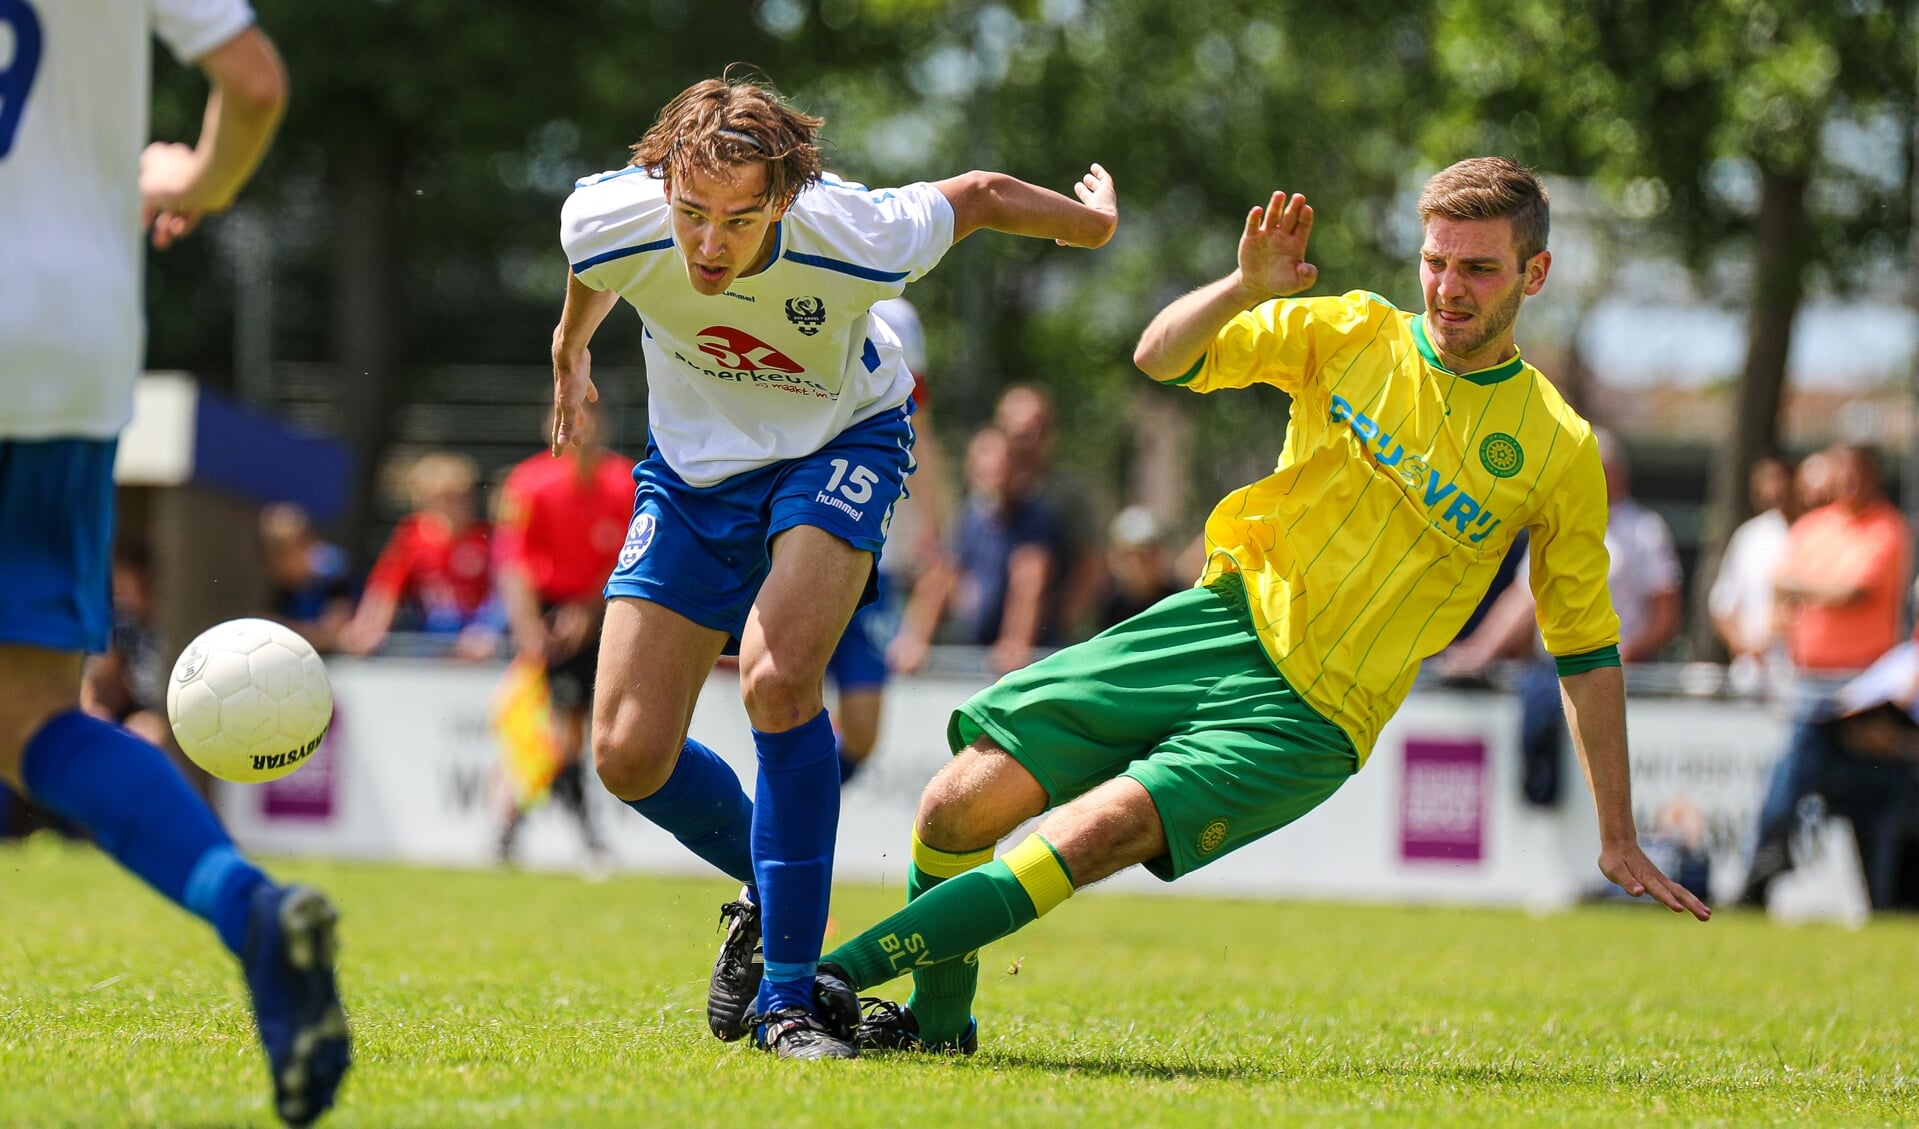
(975,197)
(249,75)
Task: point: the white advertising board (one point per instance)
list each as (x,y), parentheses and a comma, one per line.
(410,773)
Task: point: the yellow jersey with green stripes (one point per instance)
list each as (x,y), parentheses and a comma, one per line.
(1400,487)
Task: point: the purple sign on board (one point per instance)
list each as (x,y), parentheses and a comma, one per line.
(307,793)
(1442,804)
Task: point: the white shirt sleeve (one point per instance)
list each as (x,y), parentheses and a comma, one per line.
(885,234)
(191,28)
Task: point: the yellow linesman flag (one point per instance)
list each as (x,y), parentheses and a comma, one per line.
(522,717)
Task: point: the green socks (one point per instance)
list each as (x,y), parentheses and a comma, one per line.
(959,902)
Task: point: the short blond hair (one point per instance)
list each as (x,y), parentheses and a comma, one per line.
(1491,188)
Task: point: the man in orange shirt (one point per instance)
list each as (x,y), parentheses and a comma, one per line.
(1845,570)
(1840,590)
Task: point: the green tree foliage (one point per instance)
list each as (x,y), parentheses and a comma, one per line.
(1741,129)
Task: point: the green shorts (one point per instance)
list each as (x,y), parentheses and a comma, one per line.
(1183,699)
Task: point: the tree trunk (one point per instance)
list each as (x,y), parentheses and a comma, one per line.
(366,315)
(1778,287)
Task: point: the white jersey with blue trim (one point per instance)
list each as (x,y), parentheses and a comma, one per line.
(787,358)
(73,119)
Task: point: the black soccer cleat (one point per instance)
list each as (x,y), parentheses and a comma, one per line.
(891,1027)
(737,972)
(794,1032)
(836,1004)
(288,959)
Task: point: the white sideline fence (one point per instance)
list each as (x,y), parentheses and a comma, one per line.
(410,774)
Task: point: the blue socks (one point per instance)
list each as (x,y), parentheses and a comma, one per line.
(796,815)
(849,768)
(140,810)
(704,807)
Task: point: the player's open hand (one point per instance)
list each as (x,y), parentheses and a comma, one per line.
(1636,874)
(572,390)
(1096,191)
(1272,249)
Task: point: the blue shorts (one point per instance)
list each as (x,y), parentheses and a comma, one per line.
(704,551)
(859,661)
(56,542)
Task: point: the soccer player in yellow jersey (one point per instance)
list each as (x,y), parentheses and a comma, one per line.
(1419,446)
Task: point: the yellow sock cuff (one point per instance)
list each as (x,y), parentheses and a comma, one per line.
(1041,873)
(935,863)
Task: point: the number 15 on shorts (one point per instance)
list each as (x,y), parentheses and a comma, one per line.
(857,486)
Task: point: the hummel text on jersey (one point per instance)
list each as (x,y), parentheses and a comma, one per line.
(1468,515)
(840,504)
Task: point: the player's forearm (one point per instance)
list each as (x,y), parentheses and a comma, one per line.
(243,111)
(1596,715)
(1004,203)
(580,318)
(522,606)
(1179,335)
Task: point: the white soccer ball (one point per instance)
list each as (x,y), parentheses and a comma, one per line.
(249,700)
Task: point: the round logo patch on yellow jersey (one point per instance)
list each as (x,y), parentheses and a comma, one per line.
(1212,836)
(1500,454)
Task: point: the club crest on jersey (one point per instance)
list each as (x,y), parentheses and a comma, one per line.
(639,537)
(807,314)
(1501,456)
(741,351)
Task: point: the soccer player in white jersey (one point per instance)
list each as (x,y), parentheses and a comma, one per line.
(778,408)
(77,195)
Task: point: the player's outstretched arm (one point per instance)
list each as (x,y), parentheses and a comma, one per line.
(1272,264)
(178,185)
(573,386)
(998,202)
(1596,714)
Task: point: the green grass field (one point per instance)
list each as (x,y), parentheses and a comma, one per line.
(544,1000)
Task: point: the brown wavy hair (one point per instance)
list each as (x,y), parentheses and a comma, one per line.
(717,126)
(1491,188)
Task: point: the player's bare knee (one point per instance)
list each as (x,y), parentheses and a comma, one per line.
(977,799)
(40,684)
(633,760)
(1105,831)
(778,696)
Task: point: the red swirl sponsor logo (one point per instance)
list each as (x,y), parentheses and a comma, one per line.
(740,350)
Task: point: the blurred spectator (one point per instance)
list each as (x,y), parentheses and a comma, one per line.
(127,684)
(435,574)
(1741,601)
(1845,571)
(312,589)
(1026,416)
(996,578)
(857,667)
(1139,574)
(1856,752)
(561,524)
(1644,578)
(1812,482)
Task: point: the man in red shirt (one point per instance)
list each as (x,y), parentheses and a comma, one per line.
(437,565)
(561,524)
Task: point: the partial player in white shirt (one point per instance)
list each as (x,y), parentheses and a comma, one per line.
(77,197)
(1742,600)
(780,410)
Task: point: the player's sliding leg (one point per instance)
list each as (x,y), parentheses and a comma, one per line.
(1095,836)
(141,811)
(815,582)
(978,798)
